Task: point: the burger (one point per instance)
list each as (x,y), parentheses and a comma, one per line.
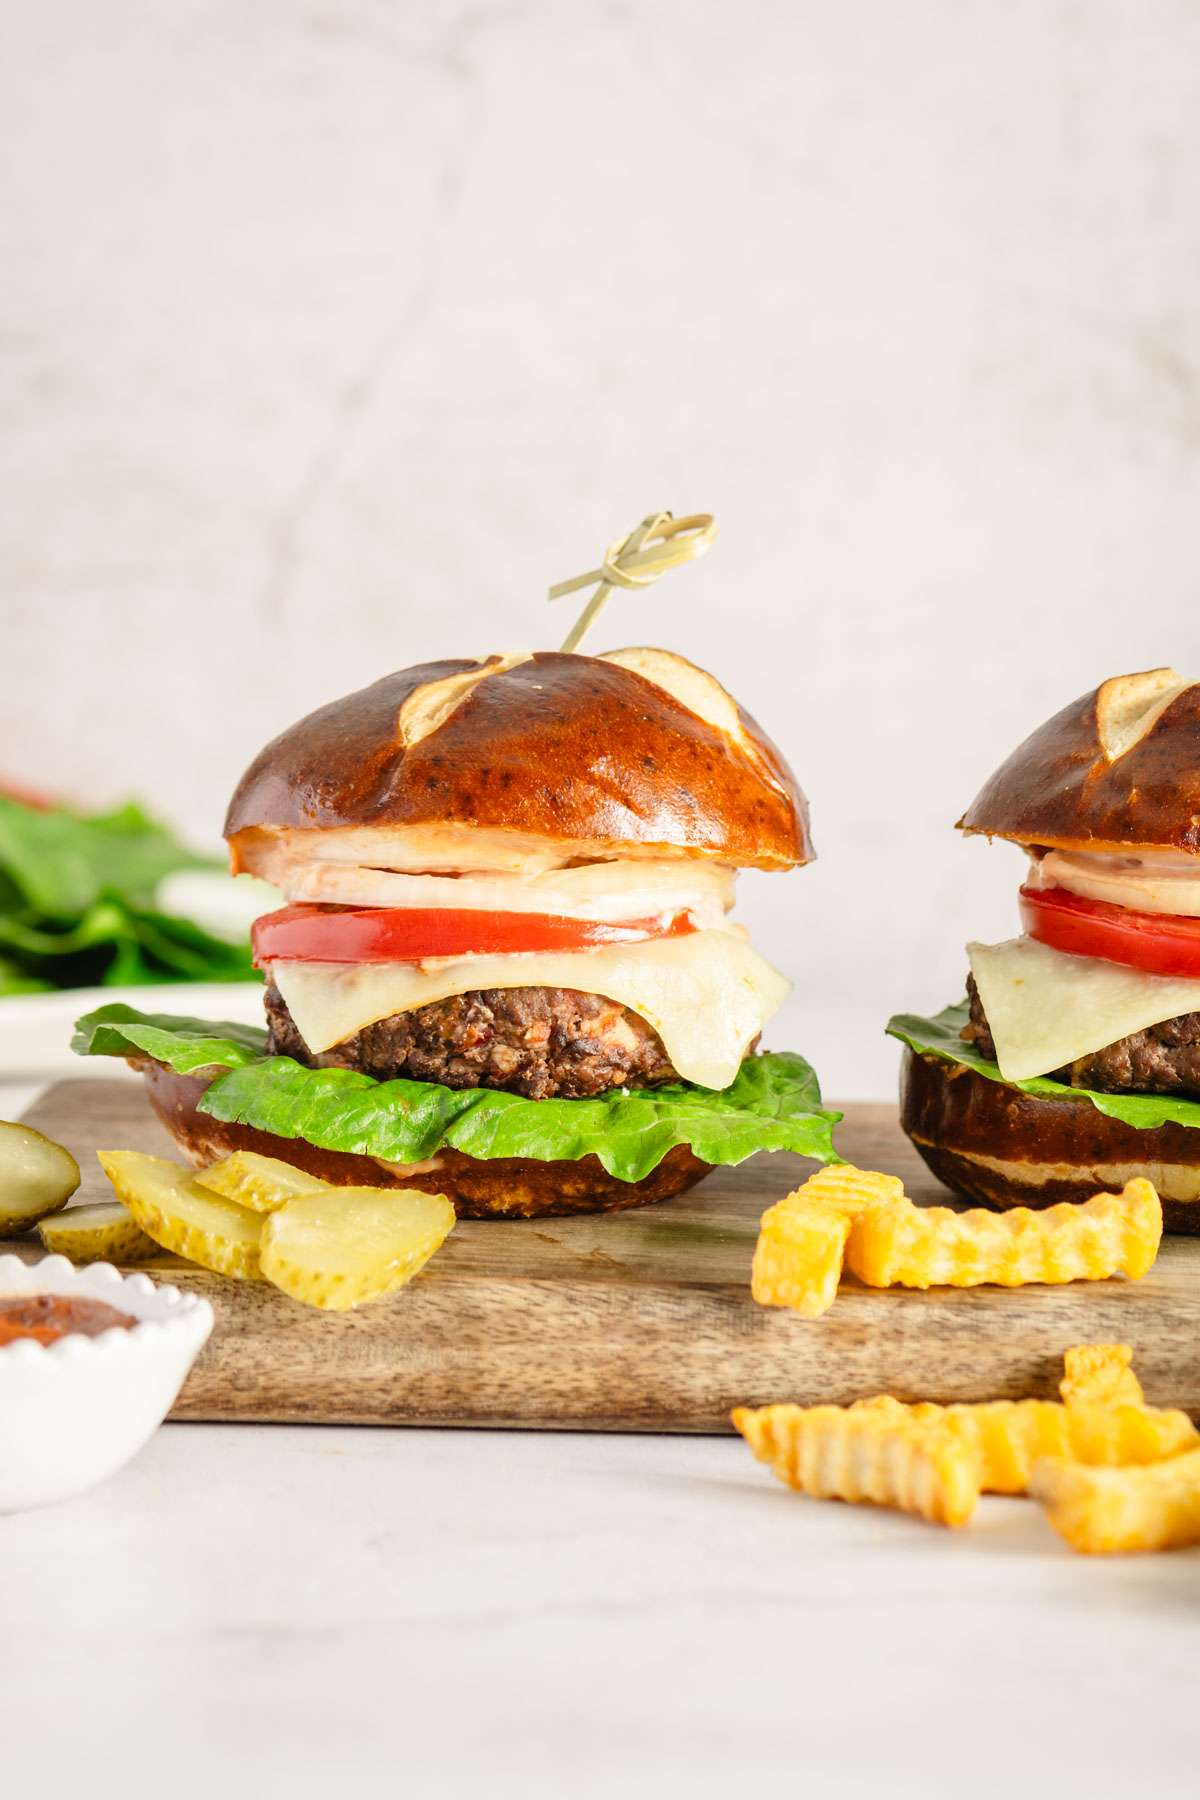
(1074,1061)
(505,970)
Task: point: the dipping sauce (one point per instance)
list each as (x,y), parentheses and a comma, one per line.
(47,1317)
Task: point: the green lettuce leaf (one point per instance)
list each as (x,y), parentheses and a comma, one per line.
(184,1045)
(77,904)
(61,862)
(773,1104)
(14,980)
(939,1036)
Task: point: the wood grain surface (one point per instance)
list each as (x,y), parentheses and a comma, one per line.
(635,1321)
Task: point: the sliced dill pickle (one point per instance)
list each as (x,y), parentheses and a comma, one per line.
(263,1183)
(344,1246)
(37,1177)
(172,1208)
(106,1231)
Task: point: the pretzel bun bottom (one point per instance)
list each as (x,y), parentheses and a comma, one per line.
(1003,1148)
(501,1188)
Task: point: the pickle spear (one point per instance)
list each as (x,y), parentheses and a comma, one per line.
(106,1231)
(171,1207)
(263,1183)
(37,1177)
(344,1246)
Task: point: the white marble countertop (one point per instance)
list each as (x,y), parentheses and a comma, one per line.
(528,1614)
(517,1614)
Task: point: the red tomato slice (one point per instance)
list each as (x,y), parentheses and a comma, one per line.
(33,798)
(1159,943)
(355,934)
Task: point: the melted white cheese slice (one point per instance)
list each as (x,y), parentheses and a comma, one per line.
(707,995)
(1046,1008)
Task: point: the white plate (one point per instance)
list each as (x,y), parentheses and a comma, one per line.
(35,1029)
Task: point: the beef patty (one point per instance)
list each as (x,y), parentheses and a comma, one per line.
(541,1042)
(1163,1059)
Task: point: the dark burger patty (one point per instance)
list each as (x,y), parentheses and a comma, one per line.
(541,1042)
(1163,1059)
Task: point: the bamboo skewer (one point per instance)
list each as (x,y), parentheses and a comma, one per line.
(659,543)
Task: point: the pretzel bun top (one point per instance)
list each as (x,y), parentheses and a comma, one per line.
(1118,769)
(636,751)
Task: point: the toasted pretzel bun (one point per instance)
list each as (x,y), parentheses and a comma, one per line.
(636,749)
(1118,769)
(503,1188)
(1005,1148)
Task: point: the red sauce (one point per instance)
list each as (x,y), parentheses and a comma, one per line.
(47,1317)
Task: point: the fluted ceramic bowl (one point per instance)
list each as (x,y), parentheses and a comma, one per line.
(75,1411)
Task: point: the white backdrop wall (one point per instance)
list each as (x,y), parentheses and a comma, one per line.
(332,332)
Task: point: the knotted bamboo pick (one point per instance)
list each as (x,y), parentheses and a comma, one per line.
(659,543)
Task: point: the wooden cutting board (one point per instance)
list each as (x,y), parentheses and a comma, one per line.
(639,1321)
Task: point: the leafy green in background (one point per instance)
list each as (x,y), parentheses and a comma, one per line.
(77,904)
(774,1103)
(940,1036)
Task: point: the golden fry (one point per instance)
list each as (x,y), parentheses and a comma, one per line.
(863,1220)
(798,1257)
(849,1190)
(1100,1375)
(802,1238)
(835,1453)
(1011,1435)
(926,1246)
(1105,1510)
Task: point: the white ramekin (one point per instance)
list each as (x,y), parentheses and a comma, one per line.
(73,1412)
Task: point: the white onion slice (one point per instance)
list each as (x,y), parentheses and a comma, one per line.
(602,891)
(1169,883)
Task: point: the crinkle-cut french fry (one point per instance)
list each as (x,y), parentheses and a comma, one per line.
(798,1257)
(1125,1435)
(1100,1375)
(835,1453)
(849,1190)
(1006,1434)
(1011,1435)
(1107,1510)
(802,1238)
(933,1246)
